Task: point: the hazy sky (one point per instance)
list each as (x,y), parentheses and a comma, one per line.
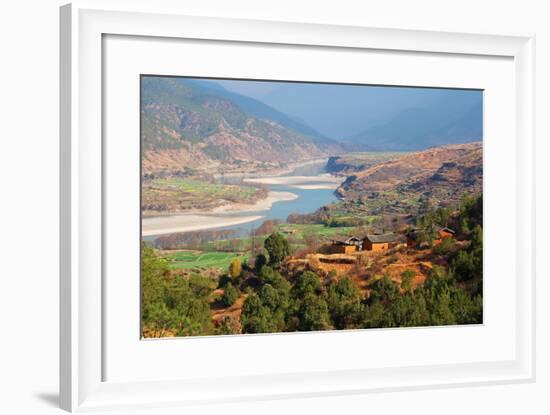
(256,90)
(340,110)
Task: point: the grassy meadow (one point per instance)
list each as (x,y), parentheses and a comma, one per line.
(177,194)
(200,261)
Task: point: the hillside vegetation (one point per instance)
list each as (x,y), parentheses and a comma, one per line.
(274,287)
(187,129)
(401,245)
(439,176)
(351,163)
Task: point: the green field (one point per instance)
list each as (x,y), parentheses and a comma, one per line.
(176,193)
(195,260)
(199,188)
(319,230)
(296,233)
(211,255)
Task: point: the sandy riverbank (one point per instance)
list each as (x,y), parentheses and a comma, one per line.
(297,181)
(222,216)
(217,218)
(262,204)
(162,225)
(328,186)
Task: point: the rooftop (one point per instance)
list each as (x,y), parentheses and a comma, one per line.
(346,240)
(384,238)
(414,233)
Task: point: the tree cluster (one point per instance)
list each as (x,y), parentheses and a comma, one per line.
(440,301)
(275,302)
(307,305)
(171,304)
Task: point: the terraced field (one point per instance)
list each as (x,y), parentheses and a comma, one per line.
(197,260)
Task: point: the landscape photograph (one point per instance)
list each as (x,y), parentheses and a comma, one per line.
(284,206)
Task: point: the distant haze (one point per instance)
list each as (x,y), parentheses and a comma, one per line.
(374,117)
(252,89)
(362,117)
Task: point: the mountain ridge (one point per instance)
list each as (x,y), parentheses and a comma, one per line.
(383,118)
(419,128)
(260,109)
(188,129)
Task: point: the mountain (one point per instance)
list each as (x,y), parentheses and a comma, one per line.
(247,87)
(260,110)
(350,163)
(442,174)
(455,117)
(191,127)
(383,118)
(340,110)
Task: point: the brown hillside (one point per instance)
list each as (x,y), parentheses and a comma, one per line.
(454,167)
(189,130)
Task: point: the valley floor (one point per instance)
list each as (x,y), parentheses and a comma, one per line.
(230,213)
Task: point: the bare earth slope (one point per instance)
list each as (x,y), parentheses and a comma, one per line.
(443,173)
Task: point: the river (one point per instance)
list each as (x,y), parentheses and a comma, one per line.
(308,201)
(302,193)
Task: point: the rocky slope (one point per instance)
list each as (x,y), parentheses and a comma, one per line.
(442,174)
(187,130)
(348,164)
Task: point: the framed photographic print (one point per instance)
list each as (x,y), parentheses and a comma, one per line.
(336,198)
(366,214)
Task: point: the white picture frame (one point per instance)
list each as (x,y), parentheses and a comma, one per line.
(84,26)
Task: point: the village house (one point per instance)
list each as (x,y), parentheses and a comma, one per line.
(375,242)
(346,245)
(416,237)
(382,242)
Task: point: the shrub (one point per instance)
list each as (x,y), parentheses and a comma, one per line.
(260,261)
(382,290)
(344,303)
(268,275)
(175,305)
(446,247)
(230,295)
(255,318)
(277,248)
(235,268)
(307,283)
(313,313)
(407,278)
(229,325)
(223,281)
